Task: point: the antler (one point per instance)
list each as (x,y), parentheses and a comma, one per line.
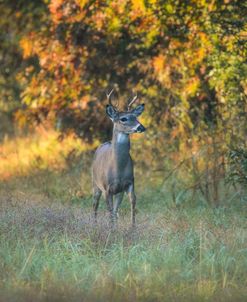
(132,102)
(108,95)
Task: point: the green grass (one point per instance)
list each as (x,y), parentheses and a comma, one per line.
(53,252)
(50,250)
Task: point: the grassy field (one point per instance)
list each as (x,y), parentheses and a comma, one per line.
(50,250)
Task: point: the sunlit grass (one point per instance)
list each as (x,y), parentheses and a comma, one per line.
(20,156)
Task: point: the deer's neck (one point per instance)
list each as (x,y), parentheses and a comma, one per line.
(120,148)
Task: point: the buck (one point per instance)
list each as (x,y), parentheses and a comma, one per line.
(112,169)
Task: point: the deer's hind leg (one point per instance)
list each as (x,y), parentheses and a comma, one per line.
(96,197)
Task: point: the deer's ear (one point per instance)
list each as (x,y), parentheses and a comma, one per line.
(111,112)
(138,110)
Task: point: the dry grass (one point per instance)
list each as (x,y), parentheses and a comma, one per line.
(21,156)
(55,252)
(50,250)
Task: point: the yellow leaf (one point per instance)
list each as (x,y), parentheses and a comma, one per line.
(138,5)
(159,62)
(27,46)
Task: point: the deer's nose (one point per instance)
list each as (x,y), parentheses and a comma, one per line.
(140,129)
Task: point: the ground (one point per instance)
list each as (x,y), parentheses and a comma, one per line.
(51,250)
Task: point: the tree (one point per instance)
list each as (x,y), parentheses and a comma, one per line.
(171,52)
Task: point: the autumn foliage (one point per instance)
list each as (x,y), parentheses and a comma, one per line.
(185,59)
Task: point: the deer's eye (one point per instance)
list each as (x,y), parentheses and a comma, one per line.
(123,119)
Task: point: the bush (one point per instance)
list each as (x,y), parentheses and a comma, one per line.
(238,166)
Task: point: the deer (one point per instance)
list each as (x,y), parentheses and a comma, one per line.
(112,168)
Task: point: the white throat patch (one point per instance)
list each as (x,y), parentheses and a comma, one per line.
(122,138)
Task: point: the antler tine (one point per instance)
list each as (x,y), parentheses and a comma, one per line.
(108,95)
(132,102)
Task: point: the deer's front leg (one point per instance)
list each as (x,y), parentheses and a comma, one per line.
(132,199)
(109,203)
(118,200)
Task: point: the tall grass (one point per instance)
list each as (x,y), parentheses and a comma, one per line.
(56,252)
(41,151)
(50,250)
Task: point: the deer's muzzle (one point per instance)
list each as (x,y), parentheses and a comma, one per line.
(140,129)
